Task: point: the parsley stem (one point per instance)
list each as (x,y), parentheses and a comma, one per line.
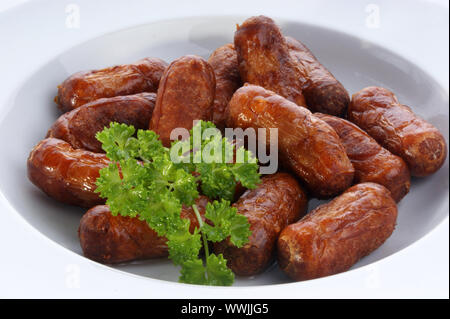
(200,222)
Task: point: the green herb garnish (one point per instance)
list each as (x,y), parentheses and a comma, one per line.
(151,182)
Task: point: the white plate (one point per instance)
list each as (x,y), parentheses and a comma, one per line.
(39,235)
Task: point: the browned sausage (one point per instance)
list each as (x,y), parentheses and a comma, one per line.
(79,126)
(372,162)
(323,93)
(66,174)
(264,59)
(334,236)
(86,86)
(395,126)
(306,144)
(185,94)
(277,202)
(225,66)
(112,239)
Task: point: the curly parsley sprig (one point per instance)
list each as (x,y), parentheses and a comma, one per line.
(144,181)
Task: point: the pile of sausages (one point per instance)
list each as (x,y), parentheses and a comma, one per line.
(361,151)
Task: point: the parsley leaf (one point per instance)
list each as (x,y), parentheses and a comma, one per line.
(150,147)
(226,223)
(183,245)
(217,180)
(215,272)
(123,187)
(218,274)
(193,272)
(247,172)
(117,141)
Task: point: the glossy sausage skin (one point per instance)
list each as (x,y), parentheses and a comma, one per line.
(334,236)
(323,93)
(86,86)
(79,126)
(372,162)
(112,239)
(306,145)
(264,59)
(185,94)
(277,202)
(224,63)
(66,174)
(395,126)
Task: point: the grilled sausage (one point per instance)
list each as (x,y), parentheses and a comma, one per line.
(112,239)
(277,202)
(323,93)
(395,126)
(372,162)
(66,174)
(79,126)
(264,59)
(334,236)
(86,86)
(225,66)
(185,94)
(306,144)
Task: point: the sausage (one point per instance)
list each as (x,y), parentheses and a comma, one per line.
(372,162)
(334,236)
(395,126)
(112,239)
(323,93)
(225,66)
(79,126)
(86,86)
(185,94)
(306,145)
(66,174)
(277,202)
(264,59)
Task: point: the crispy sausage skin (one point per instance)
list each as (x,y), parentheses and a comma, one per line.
(277,202)
(225,66)
(323,93)
(86,86)
(334,236)
(79,126)
(64,173)
(112,239)
(264,59)
(185,94)
(372,162)
(395,126)
(306,144)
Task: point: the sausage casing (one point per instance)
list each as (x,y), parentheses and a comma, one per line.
(395,126)
(277,202)
(372,162)
(323,93)
(79,126)
(224,63)
(334,236)
(86,86)
(112,239)
(264,59)
(185,94)
(306,144)
(66,174)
